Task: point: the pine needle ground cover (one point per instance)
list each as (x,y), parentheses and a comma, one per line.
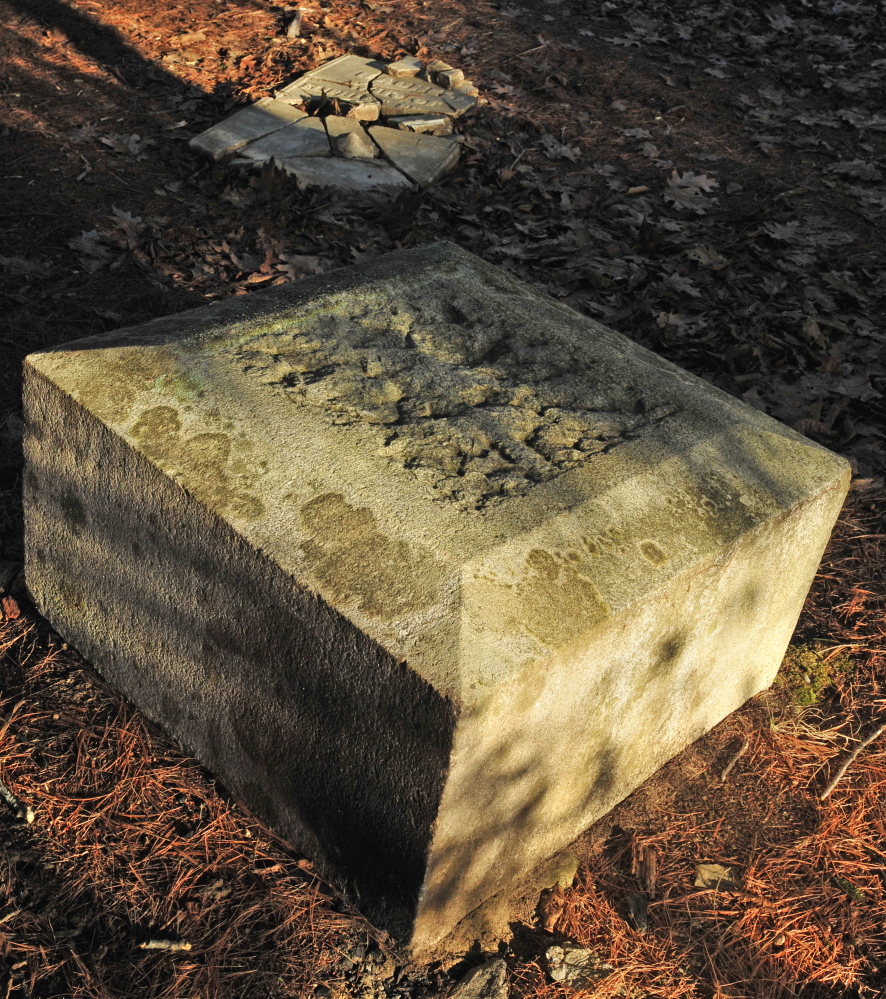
(708,180)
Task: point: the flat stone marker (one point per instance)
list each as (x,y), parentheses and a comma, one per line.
(348,91)
(350,174)
(412,96)
(423,158)
(305,137)
(262,118)
(430,569)
(431,124)
(348,71)
(355,102)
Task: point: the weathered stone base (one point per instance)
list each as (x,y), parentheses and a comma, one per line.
(429,569)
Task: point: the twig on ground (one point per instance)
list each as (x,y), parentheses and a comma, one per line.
(736,756)
(172,945)
(19,808)
(850,759)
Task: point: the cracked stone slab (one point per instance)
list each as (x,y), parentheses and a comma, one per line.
(305,137)
(345,174)
(355,101)
(423,158)
(410,96)
(430,569)
(262,118)
(347,71)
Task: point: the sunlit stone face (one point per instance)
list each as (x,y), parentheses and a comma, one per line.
(430,569)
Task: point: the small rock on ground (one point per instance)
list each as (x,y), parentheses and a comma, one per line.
(488,981)
(576,966)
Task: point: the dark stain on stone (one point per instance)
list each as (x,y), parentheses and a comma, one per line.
(667,654)
(112,392)
(749,600)
(203,461)
(73,511)
(355,561)
(653,552)
(559,604)
(157,432)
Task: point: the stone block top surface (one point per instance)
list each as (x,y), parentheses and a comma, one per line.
(473,474)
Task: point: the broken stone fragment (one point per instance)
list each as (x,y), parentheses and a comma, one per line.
(449,79)
(576,966)
(362,111)
(306,137)
(349,138)
(488,981)
(410,96)
(467,87)
(354,102)
(561,870)
(353,175)
(437,66)
(405,67)
(265,116)
(428,124)
(347,71)
(355,147)
(423,158)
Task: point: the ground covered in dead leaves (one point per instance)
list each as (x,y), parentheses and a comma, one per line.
(708,179)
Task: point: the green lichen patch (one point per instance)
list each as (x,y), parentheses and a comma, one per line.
(808,669)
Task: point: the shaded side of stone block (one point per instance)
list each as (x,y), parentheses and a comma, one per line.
(339,746)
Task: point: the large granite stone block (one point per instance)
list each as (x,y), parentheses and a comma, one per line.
(429,569)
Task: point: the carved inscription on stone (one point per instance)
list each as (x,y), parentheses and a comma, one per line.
(480,410)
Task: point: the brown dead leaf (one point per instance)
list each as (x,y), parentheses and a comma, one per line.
(21,265)
(131,144)
(550,908)
(11,609)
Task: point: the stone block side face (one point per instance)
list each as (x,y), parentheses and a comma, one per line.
(339,747)
(548,753)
